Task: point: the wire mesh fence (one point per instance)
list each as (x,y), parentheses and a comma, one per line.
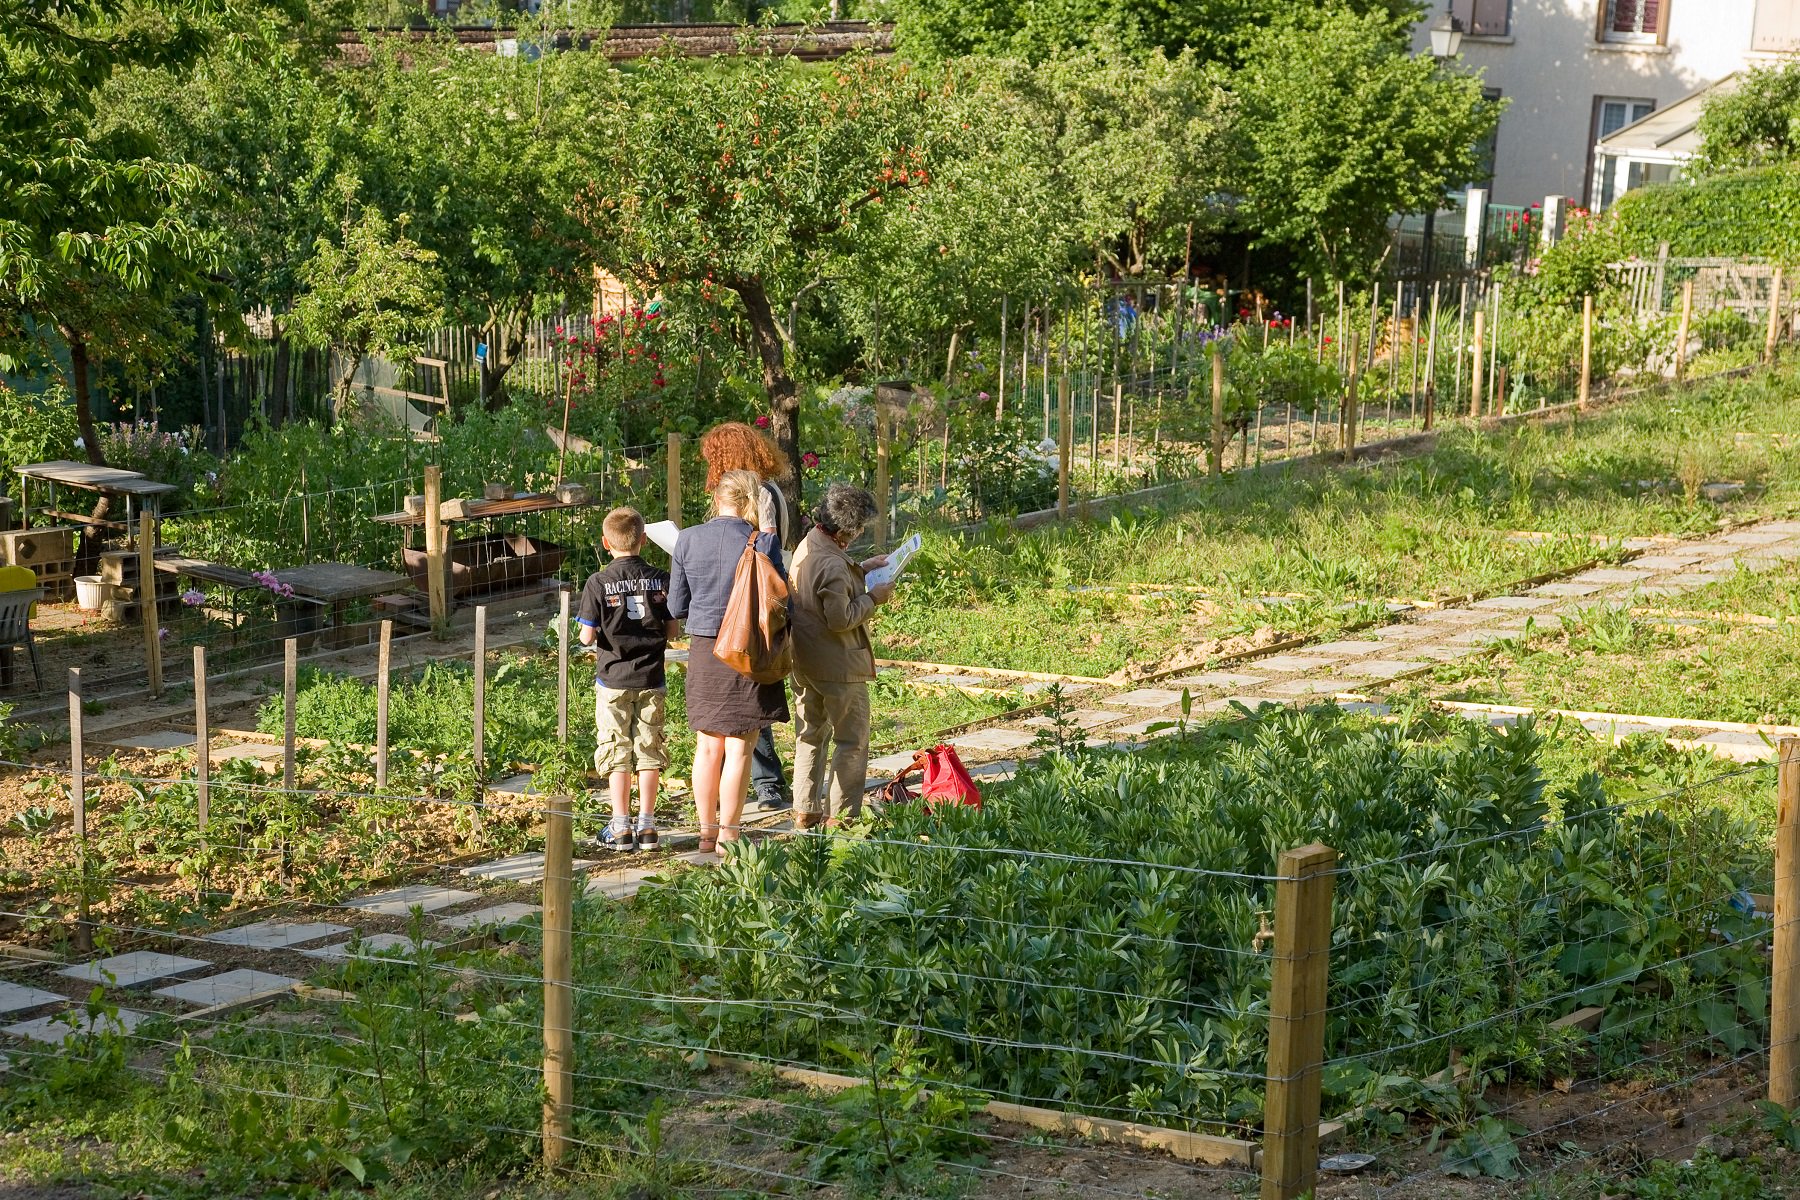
(1485,976)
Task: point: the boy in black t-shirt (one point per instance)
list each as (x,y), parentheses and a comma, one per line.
(625,614)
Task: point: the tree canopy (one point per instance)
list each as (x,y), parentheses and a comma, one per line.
(1757,124)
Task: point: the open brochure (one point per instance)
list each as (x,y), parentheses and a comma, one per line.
(664,534)
(896,563)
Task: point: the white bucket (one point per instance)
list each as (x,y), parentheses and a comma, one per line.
(88,592)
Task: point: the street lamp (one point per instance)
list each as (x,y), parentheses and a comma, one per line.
(1446,35)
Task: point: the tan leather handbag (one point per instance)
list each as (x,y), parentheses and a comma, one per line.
(755,638)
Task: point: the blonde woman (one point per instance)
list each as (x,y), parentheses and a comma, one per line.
(726,711)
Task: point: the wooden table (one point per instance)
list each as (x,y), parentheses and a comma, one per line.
(133,486)
(336,584)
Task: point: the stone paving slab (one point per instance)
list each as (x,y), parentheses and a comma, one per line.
(961,681)
(401,901)
(276,935)
(1312,687)
(130,970)
(618,885)
(1449,616)
(1147,698)
(890,764)
(17,998)
(1217,679)
(1401,633)
(1287,664)
(1752,537)
(520,868)
(993,739)
(246,750)
(495,915)
(1227,703)
(1515,603)
(1566,589)
(1666,562)
(1084,718)
(1760,562)
(165,739)
(1382,668)
(1367,708)
(1038,687)
(374,946)
(1483,637)
(1610,575)
(1441,653)
(54,1031)
(518,785)
(1344,649)
(1157,726)
(226,988)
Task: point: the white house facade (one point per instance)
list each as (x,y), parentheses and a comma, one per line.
(1574,72)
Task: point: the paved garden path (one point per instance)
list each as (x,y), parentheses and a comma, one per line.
(457,910)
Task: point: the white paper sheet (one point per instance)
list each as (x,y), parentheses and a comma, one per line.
(664,534)
(897,558)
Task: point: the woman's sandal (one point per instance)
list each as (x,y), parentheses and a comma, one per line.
(709,844)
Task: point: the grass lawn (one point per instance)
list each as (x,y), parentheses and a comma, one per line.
(1344,541)
(1645,662)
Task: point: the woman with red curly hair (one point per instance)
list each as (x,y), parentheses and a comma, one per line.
(735,446)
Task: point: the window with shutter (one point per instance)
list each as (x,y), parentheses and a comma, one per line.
(1634,20)
(1777,26)
(1484,18)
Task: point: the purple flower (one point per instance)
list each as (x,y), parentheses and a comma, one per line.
(981,395)
(193,597)
(162,635)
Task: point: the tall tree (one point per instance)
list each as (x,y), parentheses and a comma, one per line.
(1342,126)
(748,174)
(273,132)
(1217,30)
(996,220)
(97,238)
(373,290)
(1755,124)
(484,154)
(1142,144)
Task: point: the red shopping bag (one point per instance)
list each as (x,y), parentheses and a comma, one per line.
(946,780)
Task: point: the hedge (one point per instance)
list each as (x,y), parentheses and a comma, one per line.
(1754,213)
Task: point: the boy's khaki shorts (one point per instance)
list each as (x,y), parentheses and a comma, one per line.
(629,724)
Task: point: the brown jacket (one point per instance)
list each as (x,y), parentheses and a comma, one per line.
(832,607)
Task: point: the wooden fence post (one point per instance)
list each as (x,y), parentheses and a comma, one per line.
(674,477)
(78,808)
(1681,332)
(562,667)
(1475,375)
(480,696)
(1774,317)
(1431,362)
(202,743)
(559,972)
(884,480)
(1118,408)
(290,682)
(1297,998)
(1784,992)
(1215,455)
(1350,402)
(146,593)
(1065,445)
(437,565)
(1587,350)
(383,667)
